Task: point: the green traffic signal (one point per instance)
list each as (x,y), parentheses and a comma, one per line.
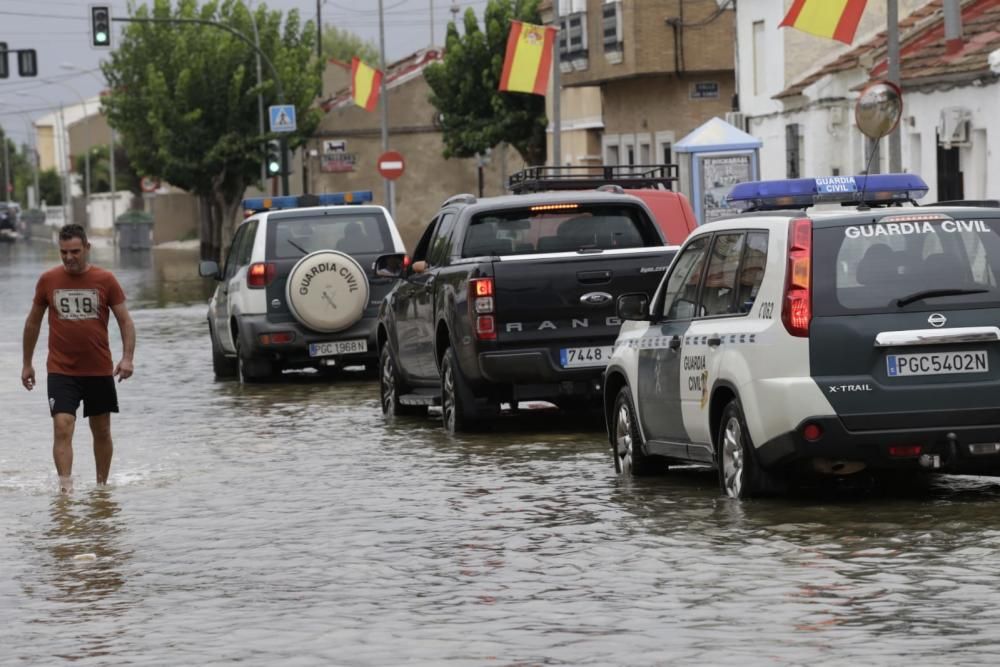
(273,167)
(272,159)
(100,25)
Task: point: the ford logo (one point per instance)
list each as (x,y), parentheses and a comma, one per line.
(937,320)
(596,299)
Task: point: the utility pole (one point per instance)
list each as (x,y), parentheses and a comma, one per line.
(6,168)
(892,48)
(319,42)
(431,3)
(556,95)
(389,194)
(260,97)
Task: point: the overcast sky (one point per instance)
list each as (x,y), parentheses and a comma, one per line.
(60,32)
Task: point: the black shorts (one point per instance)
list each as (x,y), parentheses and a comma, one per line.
(97,393)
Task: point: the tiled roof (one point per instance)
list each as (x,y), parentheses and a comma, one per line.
(924,55)
(398,73)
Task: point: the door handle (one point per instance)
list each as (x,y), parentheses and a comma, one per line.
(593,277)
(675,343)
(714,341)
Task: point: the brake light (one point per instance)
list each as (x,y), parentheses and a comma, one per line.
(481,308)
(796,313)
(905,451)
(278,338)
(261,274)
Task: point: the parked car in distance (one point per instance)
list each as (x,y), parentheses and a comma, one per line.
(11,226)
(510,299)
(784,343)
(297,289)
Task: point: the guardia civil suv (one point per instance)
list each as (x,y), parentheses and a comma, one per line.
(297,289)
(792,340)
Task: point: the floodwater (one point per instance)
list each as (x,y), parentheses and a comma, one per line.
(285,524)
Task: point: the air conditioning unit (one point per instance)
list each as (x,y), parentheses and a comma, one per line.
(954,128)
(737,119)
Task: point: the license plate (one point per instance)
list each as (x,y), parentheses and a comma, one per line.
(338,347)
(578,357)
(937,363)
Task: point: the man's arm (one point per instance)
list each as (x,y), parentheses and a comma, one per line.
(124,368)
(32,327)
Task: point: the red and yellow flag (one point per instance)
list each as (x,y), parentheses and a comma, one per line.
(365,84)
(528,62)
(833,19)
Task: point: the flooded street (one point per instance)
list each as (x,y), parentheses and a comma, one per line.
(285,524)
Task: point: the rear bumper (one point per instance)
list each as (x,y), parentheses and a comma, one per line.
(252,327)
(536,375)
(947,448)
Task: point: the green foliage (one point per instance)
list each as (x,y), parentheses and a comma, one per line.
(100,170)
(343,45)
(184,97)
(20,170)
(50,186)
(475,114)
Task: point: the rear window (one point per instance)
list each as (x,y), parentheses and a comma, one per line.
(558,228)
(870,268)
(294,235)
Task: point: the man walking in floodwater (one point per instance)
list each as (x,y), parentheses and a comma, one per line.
(79,297)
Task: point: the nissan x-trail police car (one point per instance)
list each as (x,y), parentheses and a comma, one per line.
(297,289)
(783,342)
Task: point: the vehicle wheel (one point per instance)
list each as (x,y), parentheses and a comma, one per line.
(740,475)
(391,386)
(251,370)
(458,411)
(223,366)
(626,440)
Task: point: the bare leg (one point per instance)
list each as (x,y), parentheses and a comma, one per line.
(63,425)
(100,428)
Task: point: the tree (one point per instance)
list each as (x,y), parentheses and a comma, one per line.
(184,100)
(475,115)
(100,170)
(20,170)
(344,45)
(51,187)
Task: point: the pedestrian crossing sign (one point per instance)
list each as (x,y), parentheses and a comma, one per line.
(282,117)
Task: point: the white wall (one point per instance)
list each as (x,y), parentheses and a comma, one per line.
(748,12)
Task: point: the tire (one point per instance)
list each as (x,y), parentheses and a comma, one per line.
(251,370)
(458,413)
(740,474)
(391,386)
(224,367)
(627,446)
(327,291)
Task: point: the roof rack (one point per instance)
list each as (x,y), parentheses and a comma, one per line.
(587,177)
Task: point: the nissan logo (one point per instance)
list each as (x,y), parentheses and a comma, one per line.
(937,320)
(595,298)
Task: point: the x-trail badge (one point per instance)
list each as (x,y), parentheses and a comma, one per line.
(937,320)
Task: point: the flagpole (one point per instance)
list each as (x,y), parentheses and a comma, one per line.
(556,95)
(389,195)
(892,48)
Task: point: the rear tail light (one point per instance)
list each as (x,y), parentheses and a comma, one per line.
(278,338)
(905,451)
(796,312)
(261,274)
(482,307)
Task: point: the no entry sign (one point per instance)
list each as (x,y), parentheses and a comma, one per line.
(390,165)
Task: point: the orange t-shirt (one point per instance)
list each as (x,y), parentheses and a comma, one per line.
(78,319)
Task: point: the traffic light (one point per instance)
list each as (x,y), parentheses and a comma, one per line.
(100,26)
(273,158)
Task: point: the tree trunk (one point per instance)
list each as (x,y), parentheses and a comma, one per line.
(209,248)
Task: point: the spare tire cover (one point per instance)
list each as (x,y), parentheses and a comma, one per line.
(327,291)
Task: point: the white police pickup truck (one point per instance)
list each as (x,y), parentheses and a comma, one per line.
(297,289)
(798,339)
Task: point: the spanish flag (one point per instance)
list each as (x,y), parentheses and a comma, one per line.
(365,84)
(528,62)
(833,19)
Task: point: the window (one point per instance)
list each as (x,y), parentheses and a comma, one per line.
(440,248)
(573,36)
(232,259)
(668,152)
(643,153)
(751,271)
(793,153)
(246,246)
(296,234)
(630,150)
(612,156)
(611,26)
(420,252)
(718,293)
(759,63)
(681,292)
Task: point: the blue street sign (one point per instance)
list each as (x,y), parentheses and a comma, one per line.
(282,117)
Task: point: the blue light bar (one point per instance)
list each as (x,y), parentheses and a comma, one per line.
(257,204)
(802,192)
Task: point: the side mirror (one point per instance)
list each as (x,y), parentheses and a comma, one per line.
(633,307)
(209,269)
(391,266)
